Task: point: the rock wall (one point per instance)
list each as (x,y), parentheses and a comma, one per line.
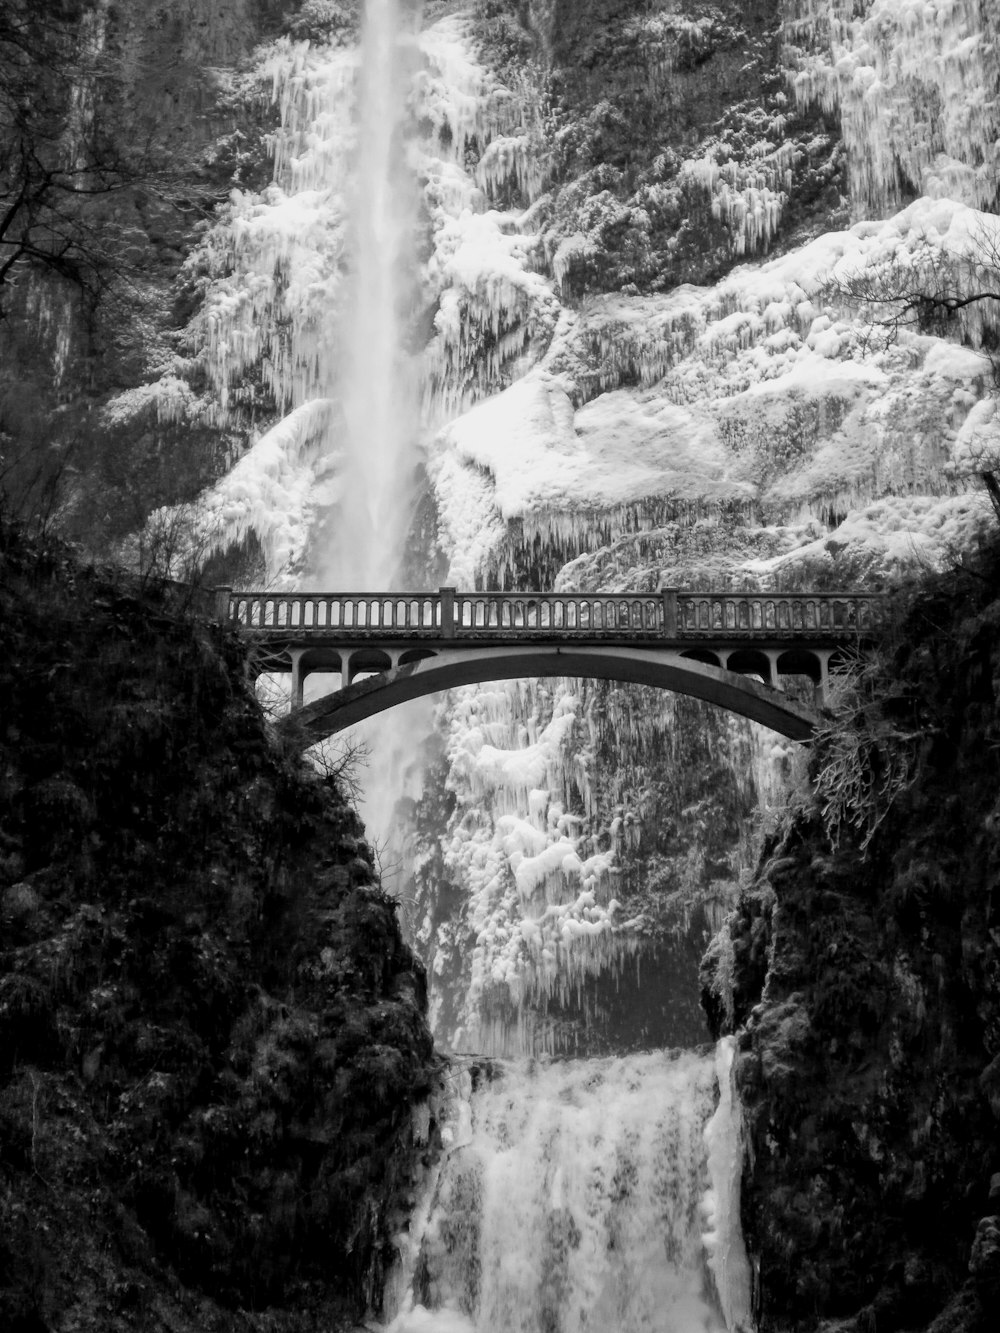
(863,987)
(672,148)
(156,93)
(213,1047)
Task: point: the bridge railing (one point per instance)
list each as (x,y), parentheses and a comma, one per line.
(368,612)
(452,614)
(770,613)
(507,613)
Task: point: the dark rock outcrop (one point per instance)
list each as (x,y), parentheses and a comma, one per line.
(863,988)
(212,1037)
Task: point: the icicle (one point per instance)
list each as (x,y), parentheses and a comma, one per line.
(908,80)
(749,198)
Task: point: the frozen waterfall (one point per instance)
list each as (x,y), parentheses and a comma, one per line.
(597,1193)
(586,1195)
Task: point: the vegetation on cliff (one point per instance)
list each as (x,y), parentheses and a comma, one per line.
(212,1037)
(864,985)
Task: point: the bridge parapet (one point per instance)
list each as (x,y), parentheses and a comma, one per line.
(449,613)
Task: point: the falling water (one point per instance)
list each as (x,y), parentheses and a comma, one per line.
(369,531)
(580,1196)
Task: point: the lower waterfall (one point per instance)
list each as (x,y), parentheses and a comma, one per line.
(578,1195)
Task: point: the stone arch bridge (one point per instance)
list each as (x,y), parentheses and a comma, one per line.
(732,649)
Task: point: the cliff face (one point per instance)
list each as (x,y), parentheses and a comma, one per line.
(865,992)
(212,1037)
(122,127)
(657,106)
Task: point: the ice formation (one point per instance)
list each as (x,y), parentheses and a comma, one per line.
(278,487)
(759,393)
(752,433)
(540,911)
(743,432)
(273,264)
(914,82)
(573,1200)
(750,200)
(279,268)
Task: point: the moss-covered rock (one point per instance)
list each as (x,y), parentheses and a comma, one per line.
(211,1034)
(863,986)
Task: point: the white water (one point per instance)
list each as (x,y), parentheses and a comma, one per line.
(580,1196)
(380,456)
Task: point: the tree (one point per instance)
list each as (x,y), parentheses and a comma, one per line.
(57,159)
(951,290)
(87,175)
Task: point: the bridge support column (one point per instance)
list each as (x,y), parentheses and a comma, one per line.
(298,675)
(669,596)
(222,595)
(447,612)
(823,656)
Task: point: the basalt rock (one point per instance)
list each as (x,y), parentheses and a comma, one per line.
(862,986)
(212,1037)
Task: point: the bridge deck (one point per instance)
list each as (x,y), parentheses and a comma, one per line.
(669,615)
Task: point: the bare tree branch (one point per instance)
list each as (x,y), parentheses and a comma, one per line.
(931,289)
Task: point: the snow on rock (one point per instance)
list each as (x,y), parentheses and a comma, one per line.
(977,444)
(168,399)
(493,308)
(763,394)
(886,538)
(275,488)
(542,454)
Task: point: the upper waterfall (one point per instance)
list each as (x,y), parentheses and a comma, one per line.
(375,379)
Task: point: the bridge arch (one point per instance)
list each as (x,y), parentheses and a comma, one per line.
(753,662)
(705,655)
(434,672)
